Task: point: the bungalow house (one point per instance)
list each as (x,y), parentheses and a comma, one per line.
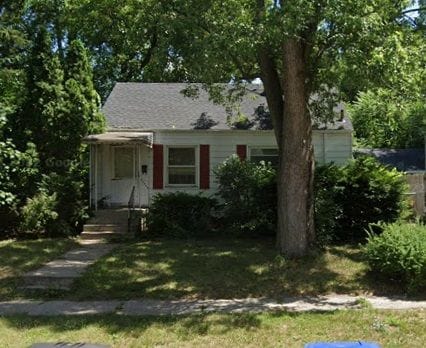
(159,140)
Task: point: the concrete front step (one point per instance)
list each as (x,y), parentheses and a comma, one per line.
(102,235)
(105,227)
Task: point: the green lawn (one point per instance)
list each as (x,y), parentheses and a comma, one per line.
(170,269)
(390,329)
(17,257)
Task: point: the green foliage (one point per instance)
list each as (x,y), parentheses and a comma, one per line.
(38,213)
(328,210)
(240,121)
(382,119)
(347,199)
(71,195)
(84,102)
(248,193)
(370,193)
(180,215)
(399,253)
(41,133)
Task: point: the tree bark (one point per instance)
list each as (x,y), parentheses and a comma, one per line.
(295,175)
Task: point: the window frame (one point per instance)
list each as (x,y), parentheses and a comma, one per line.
(196,165)
(114,148)
(251,148)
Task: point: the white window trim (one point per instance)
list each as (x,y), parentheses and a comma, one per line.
(114,147)
(261,147)
(197,166)
(250,149)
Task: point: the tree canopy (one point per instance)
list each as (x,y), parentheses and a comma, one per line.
(55,55)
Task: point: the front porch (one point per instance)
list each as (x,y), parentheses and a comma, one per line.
(120,169)
(114,223)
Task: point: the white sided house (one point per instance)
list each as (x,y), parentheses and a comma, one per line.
(158,141)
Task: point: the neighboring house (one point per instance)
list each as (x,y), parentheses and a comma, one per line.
(159,140)
(405,160)
(410,161)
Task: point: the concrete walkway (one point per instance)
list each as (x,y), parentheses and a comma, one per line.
(182,307)
(61,273)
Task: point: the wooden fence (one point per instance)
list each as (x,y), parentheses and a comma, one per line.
(417,183)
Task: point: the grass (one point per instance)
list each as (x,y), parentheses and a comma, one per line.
(170,269)
(18,257)
(390,329)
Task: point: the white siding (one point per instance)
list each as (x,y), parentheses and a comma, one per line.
(329,146)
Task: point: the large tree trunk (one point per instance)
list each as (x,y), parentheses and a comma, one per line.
(295,176)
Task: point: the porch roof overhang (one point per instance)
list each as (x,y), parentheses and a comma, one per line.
(146,138)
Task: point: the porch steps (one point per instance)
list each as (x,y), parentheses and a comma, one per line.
(105,227)
(113,224)
(107,224)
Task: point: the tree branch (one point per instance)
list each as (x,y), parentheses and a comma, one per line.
(152,46)
(273,91)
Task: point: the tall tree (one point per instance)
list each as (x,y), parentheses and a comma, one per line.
(83,100)
(294,47)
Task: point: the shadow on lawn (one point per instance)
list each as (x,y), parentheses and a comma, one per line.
(207,269)
(18,257)
(135,326)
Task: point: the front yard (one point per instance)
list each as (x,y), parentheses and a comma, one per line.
(390,329)
(171,269)
(18,257)
(167,269)
(203,269)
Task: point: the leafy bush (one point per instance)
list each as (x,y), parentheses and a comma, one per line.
(381,118)
(248,193)
(368,193)
(399,253)
(347,199)
(328,211)
(180,215)
(38,213)
(72,205)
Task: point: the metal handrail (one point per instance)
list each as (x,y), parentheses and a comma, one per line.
(131,206)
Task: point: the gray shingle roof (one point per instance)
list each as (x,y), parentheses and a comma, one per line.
(401,159)
(160,106)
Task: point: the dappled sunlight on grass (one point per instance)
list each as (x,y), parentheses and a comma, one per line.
(172,269)
(17,257)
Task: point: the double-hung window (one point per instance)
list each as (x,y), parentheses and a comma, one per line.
(264,154)
(181,165)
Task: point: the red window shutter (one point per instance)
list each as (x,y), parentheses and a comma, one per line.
(158,166)
(204,167)
(242,152)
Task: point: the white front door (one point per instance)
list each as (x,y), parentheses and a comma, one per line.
(124,173)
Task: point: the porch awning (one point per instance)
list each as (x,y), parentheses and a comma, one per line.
(121,138)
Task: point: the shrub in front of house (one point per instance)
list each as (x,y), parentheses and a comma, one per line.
(399,253)
(368,192)
(347,199)
(247,192)
(39,213)
(328,209)
(180,215)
